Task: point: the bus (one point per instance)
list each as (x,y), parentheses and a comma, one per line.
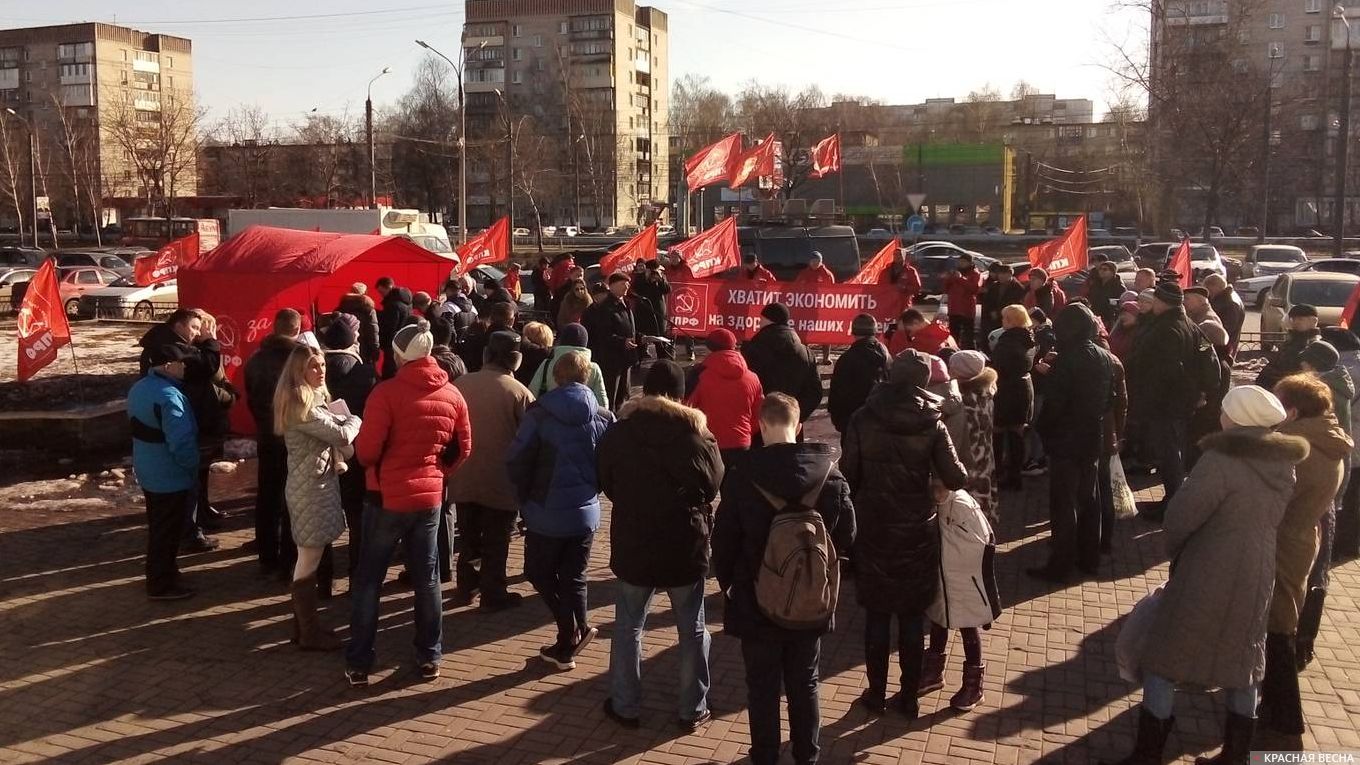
(155,233)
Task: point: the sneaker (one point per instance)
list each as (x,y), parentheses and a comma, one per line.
(1034,469)
(631,723)
(558,657)
(429,670)
(694,725)
(587,635)
(173,592)
(356,678)
(500,603)
(199,544)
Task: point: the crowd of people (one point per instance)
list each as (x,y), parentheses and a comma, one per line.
(401,419)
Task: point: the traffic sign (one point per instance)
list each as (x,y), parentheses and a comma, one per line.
(916,224)
(914,201)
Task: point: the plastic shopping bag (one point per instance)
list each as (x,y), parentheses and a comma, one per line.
(1124,504)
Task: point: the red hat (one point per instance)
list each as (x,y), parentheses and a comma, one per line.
(721,340)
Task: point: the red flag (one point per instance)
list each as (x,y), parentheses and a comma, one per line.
(754,163)
(826,157)
(164,265)
(1180,263)
(42,322)
(490,246)
(1352,305)
(713,251)
(1064,255)
(641,247)
(713,163)
(874,269)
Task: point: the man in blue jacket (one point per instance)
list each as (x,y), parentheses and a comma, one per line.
(165,456)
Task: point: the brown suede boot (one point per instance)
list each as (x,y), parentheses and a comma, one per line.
(970,695)
(310,635)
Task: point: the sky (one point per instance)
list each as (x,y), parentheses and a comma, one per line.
(897,51)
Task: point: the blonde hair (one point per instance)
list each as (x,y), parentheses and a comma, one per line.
(1017,315)
(293,397)
(539,333)
(572,367)
(208,321)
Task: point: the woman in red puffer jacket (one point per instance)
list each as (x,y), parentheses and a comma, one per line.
(728,393)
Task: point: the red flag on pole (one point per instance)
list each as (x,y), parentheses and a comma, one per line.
(873,270)
(641,247)
(43,328)
(1180,263)
(490,246)
(1352,305)
(1064,255)
(164,265)
(826,157)
(713,163)
(713,251)
(755,163)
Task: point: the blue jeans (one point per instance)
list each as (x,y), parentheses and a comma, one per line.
(625,661)
(382,530)
(1159,698)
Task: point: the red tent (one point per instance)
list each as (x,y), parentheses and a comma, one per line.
(249,277)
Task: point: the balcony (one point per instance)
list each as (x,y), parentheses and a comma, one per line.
(146,103)
(590,34)
(81,95)
(491,41)
(75,79)
(142,65)
(9,79)
(643,63)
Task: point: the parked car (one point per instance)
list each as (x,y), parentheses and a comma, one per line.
(665,230)
(78,280)
(1267,259)
(125,299)
(549,230)
(8,278)
(1127,231)
(95,258)
(1248,231)
(1205,260)
(1258,287)
(1112,253)
(526,285)
(1098,233)
(520,231)
(1153,255)
(878,233)
(12,256)
(1328,292)
(569,231)
(1213,232)
(933,260)
(129,254)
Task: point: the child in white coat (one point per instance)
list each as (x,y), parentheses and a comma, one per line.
(967,596)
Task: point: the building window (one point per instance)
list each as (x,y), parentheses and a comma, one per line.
(517,77)
(562,27)
(1309,122)
(123,76)
(1312,63)
(1276,21)
(1312,6)
(172,81)
(1243,36)
(1275,50)
(538,41)
(1313,33)
(516,54)
(172,62)
(81,51)
(515,30)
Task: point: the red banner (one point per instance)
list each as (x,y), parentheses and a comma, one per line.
(165,263)
(1180,263)
(43,328)
(826,157)
(873,270)
(713,251)
(713,163)
(641,247)
(1064,255)
(819,313)
(755,163)
(490,246)
(1352,305)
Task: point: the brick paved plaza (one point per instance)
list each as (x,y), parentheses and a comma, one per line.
(92,672)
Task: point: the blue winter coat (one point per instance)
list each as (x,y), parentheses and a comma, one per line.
(167,463)
(552,462)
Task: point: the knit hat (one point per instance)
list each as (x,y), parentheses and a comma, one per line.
(777,313)
(1252,406)
(1128,295)
(1148,294)
(665,378)
(1169,293)
(574,335)
(911,367)
(1303,310)
(413,341)
(1214,332)
(341,333)
(721,340)
(864,325)
(1129,306)
(1321,355)
(939,370)
(965,365)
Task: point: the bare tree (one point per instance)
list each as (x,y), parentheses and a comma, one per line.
(10,172)
(424,133)
(1022,90)
(537,169)
(792,117)
(324,171)
(249,149)
(159,134)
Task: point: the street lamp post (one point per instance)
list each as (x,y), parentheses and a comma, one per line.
(1343,137)
(32,172)
(462,132)
(509,160)
(372,154)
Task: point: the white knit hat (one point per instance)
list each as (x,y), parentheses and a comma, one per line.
(965,365)
(1252,406)
(413,341)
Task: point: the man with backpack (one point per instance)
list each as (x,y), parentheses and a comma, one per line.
(786,502)
(892,447)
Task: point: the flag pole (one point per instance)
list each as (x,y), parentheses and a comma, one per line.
(75,363)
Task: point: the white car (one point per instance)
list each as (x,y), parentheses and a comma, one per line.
(665,230)
(569,231)
(123,299)
(1259,286)
(1272,259)
(549,230)
(1205,260)
(8,278)
(521,231)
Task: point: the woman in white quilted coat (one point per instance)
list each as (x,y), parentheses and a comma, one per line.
(316,438)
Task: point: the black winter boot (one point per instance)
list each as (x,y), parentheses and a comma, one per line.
(1237,732)
(1281,709)
(1151,742)
(1310,621)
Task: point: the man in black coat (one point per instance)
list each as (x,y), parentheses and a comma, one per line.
(893,447)
(493,292)
(776,656)
(613,340)
(1000,291)
(1077,394)
(782,362)
(1103,289)
(1163,393)
(1228,305)
(500,317)
(395,314)
(273,533)
(1303,332)
(358,304)
(650,289)
(661,468)
(863,365)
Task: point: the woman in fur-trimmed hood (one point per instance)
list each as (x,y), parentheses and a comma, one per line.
(971,427)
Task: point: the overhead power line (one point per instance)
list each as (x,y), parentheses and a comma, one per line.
(253,19)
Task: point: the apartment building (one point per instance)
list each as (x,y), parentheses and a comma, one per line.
(583,86)
(81,88)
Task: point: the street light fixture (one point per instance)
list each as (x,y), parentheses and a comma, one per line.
(1343,136)
(368,128)
(462,132)
(32,172)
